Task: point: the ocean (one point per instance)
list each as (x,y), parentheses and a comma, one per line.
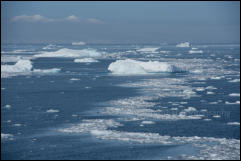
(120,101)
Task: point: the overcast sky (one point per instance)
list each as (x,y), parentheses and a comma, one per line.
(120,22)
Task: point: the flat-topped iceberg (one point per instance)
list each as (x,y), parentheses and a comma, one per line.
(70,53)
(134,67)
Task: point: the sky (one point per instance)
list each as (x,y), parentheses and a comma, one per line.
(120,22)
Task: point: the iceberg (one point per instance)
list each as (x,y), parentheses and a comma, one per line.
(183,45)
(148,50)
(70,53)
(24,67)
(134,67)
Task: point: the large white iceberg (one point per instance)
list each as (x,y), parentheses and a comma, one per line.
(134,67)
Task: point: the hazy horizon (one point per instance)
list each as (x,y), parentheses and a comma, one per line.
(120,22)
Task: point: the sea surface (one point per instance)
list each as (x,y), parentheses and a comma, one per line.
(134,101)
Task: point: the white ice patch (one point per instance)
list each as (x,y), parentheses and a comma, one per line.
(134,67)
(194,48)
(7,106)
(70,53)
(234,81)
(147,122)
(210,87)
(216,78)
(164,52)
(234,94)
(183,45)
(78,43)
(24,67)
(148,50)
(195,51)
(234,123)
(6,136)
(46,71)
(52,111)
(74,79)
(209,92)
(190,109)
(200,89)
(86,60)
(232,103)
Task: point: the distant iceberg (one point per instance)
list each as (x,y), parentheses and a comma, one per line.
(195,51)
(133,67)
(148,50)
(70,53)
(78,43)
(183,45)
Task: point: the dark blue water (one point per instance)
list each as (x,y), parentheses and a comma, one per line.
(53,116)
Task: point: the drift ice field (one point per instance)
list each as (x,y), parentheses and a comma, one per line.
(80,101)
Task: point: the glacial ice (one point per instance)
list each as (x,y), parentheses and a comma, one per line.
(134,67)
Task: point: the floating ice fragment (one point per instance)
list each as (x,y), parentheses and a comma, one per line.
(234,123)
(234,95)
(52,111)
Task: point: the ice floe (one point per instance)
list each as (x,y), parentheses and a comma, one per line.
(232,103)
(234,94)
(234,81)
(86,60)
(195,51)
(6,137)
(234,123)
(52,111)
